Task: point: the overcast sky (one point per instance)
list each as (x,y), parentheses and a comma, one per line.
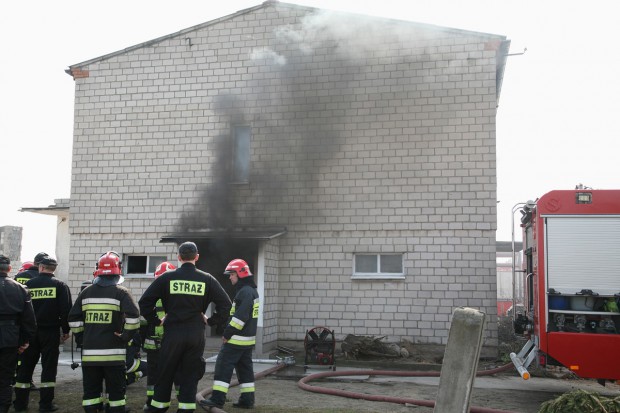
(557,122)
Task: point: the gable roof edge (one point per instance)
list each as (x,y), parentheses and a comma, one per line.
(165,37)
(75,68)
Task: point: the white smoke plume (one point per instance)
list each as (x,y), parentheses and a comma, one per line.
(267,54)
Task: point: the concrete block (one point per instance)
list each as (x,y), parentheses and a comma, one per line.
(460,361)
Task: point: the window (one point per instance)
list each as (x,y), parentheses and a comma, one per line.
(142,264)
(241,154)
(378,266)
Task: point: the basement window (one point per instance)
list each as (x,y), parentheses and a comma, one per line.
(378,266)
(241,154)
(142,264)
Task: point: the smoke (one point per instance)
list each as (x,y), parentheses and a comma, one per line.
(299,116)
(269,55)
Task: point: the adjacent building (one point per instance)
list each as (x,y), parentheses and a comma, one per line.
(350,160)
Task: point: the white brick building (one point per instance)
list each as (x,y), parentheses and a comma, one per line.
(368,203)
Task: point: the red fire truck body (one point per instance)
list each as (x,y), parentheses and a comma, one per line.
(571,274)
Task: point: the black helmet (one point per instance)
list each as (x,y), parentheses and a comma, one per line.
(39,257)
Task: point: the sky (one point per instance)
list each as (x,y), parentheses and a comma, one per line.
(557,122)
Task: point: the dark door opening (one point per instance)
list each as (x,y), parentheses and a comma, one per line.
(215,254)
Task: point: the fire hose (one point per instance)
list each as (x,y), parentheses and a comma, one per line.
(281,363)
(302,384)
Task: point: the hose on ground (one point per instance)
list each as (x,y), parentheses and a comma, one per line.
(302,384)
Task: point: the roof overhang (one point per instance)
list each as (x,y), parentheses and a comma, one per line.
(257,233)
(62,212)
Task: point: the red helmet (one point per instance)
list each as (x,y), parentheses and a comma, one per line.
(164,267)
(108,264)
(25,266)
(240,267)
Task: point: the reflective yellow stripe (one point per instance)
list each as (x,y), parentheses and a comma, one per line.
(187,406)
(221,386)
(48,384)
(247,388)
(22,385)
(104,358)
(115,403)
(77,329)
(133,326)
(242,341)
(255,308)
(160,405)
(236,325)
(91,402)
(93,307)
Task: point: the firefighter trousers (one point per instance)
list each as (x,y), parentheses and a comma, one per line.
(240,359)
(44,345)
(8,363)
(152,368)
(94,398)
(180,360)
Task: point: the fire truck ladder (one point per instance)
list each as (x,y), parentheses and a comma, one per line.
(524,358)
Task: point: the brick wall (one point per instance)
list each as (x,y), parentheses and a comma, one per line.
(368,136)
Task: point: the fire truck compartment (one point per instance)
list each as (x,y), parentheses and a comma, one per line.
(583,252)
(593,356)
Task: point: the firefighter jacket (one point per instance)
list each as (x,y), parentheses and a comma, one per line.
(17,320)
(29,274)
(241,328)
(51,300)
(185,294)
(101,310)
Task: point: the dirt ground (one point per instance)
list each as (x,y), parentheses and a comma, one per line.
(279,392)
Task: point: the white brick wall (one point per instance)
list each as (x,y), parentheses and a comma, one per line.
(380,144)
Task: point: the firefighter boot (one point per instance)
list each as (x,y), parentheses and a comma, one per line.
(246,401)
(209,403)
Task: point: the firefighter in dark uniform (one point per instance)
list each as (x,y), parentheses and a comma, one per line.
(31,271)
(17,326)
(185,294)
(238,339)
(107,316)
(51,300)
(152,340)
(27,271)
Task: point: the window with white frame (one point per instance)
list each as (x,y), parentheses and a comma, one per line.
(378,266)
(142,264)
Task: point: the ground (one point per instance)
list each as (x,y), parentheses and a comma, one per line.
(279,392)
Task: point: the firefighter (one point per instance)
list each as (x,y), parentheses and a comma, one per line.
(152,340)
(27,271)
(17,326)
(26,265)
(51,300)
(31,271)
(136,368)
(185,294)
(107,317)
(238,340)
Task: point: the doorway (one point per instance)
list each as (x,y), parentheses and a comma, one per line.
(216,253)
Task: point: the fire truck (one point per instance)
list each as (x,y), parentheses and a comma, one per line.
(571,283)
